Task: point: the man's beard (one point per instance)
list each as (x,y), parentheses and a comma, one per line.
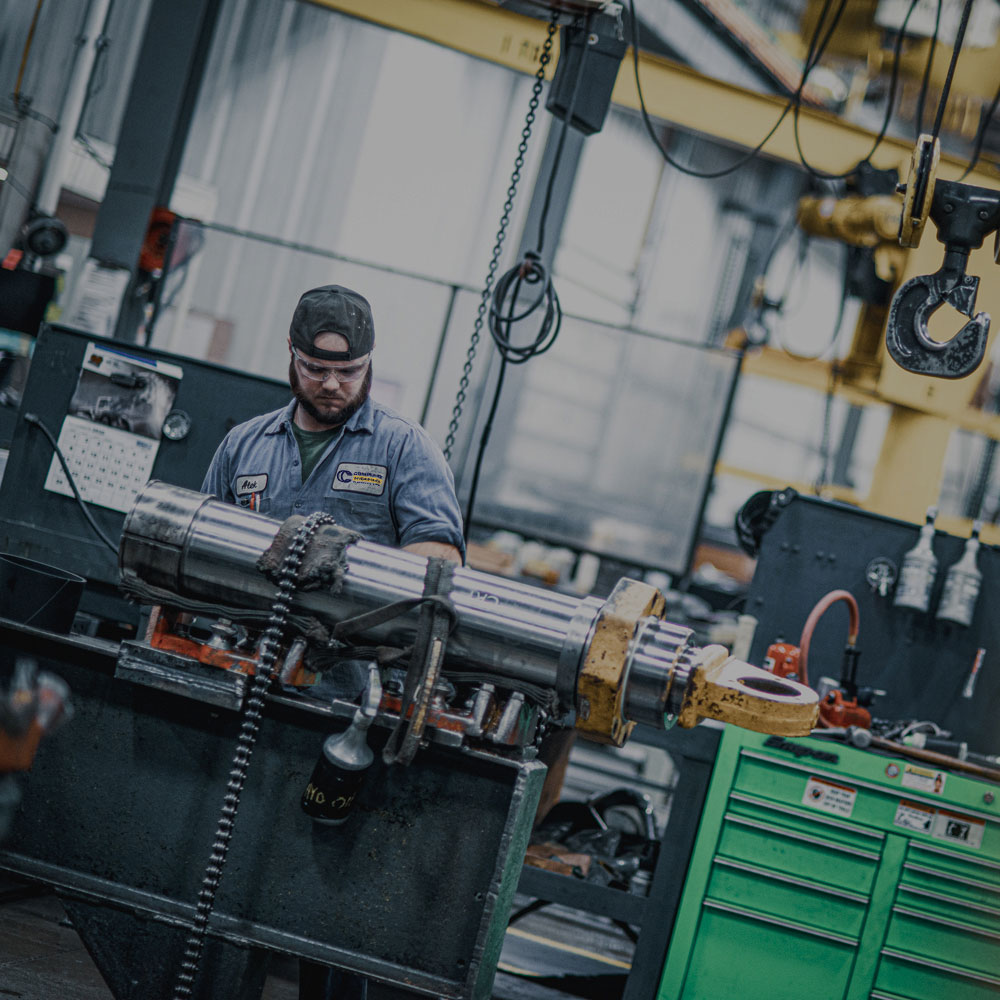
(324,417)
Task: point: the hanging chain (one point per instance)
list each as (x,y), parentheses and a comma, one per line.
(264,674)
(515,177)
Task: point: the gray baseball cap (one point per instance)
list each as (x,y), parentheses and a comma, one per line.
(333,309)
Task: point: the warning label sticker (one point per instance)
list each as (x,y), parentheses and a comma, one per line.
(911,816)
(923,779)
(958,828)
(825,795)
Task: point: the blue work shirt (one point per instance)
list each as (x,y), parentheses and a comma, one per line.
(382,476)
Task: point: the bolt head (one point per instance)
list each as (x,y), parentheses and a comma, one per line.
(988,798)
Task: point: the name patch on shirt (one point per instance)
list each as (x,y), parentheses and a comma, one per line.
(359,478)
(247,485)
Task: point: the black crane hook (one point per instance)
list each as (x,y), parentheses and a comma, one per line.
(964,215)
(906,335)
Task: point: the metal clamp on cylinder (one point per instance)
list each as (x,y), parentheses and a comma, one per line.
(601,684)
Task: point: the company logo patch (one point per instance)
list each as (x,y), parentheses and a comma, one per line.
(359,478)
(246,485)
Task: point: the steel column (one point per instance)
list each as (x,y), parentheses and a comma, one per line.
(154,129)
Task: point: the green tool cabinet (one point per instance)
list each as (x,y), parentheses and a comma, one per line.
(823,872)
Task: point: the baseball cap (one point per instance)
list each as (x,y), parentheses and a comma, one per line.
(333,309)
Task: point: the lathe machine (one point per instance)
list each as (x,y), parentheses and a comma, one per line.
(210,802)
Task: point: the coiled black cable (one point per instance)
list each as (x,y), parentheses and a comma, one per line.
(531,276)
(508,205)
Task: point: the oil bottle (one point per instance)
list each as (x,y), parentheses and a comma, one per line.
(961,585)
(919,567)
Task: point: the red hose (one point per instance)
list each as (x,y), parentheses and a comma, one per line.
(814,616)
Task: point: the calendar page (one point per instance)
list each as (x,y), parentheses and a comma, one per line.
(111,434)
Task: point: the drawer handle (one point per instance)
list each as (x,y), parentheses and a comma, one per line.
(943,922)
(851,897)
(941,967)
(810,817)
(961,879)
(953,900)
(793,835)
(763,918)
(916,848)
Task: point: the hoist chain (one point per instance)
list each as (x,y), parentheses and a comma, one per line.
(477,327)
(265,672)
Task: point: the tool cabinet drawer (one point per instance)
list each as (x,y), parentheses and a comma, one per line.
(973,869)
(810,855)
(735,955)
(949,902)
(808,821)
(785,897)
(917,978)
(960,942)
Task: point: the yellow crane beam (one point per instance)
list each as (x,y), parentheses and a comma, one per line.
(672,92)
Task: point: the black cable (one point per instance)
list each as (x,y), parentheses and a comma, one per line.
(890,102)
(531,272)
(949,76)
(815,52)
(838,322)
(922,97)
(981,135)
(484,298)
(36,421)
(508,289)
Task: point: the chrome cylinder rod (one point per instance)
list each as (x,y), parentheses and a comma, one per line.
(195,547)
(182,544)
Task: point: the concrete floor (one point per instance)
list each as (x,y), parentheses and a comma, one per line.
(43,958)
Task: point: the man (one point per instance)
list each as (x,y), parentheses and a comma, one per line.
(333,448)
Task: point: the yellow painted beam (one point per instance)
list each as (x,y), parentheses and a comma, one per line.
(478,29)
(769,482)
(908,472)
(672,92)
(960,526)
(771,362)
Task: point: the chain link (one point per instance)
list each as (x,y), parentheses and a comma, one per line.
(264,674)
(477,327)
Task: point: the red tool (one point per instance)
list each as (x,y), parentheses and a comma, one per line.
(843,705)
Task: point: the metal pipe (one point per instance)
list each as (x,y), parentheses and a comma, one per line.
(69,118)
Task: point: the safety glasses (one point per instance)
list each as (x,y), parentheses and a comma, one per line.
(320,373)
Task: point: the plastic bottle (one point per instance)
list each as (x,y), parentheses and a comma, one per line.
(961,585)
(916,575)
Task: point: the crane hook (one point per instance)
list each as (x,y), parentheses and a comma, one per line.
(964,216)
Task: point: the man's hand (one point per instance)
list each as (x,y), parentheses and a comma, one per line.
(439,550)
